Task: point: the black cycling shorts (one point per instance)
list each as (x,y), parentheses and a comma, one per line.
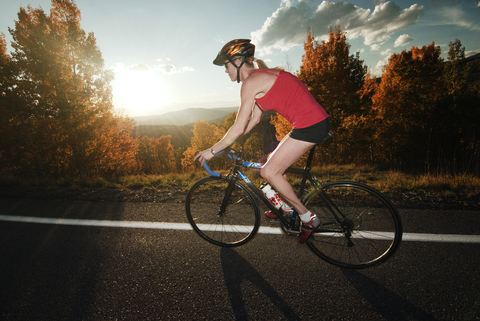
(312,134)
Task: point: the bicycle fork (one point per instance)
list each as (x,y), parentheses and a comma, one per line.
(228,194)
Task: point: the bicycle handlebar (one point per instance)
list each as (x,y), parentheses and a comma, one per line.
(209,171)
(230,154)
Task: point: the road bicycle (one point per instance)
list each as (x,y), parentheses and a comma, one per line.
(360,226)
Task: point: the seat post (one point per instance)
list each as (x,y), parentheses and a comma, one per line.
(310,158)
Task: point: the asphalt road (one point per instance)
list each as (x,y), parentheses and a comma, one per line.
(76,272)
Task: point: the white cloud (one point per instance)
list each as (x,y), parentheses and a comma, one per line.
(378,69)
(471,53)
(375,47)
(288,25)
(386,52)
(165,69)
(403,40)
(171,69)
(119,67)
(139,67)
(457,17)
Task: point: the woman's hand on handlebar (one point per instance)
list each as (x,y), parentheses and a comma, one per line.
(204,156)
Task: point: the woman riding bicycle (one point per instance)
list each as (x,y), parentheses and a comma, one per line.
(273,89)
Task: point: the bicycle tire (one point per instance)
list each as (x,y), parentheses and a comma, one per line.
(371,219)
(236,226)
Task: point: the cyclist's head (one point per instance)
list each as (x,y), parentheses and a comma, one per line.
(235,49)
(238,49)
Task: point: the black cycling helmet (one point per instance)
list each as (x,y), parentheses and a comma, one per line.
(237,47)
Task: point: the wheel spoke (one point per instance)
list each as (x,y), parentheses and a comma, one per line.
(235,226)
(370,219)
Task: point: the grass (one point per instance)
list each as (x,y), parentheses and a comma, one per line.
(443,185)
(391,181)
(159,182)
(134,182)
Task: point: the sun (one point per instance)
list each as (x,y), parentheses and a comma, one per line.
(139,93)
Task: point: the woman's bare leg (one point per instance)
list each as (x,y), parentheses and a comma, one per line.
(288,152)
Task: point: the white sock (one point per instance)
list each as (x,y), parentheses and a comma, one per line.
(306,217)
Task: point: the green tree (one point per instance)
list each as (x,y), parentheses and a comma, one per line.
(7,142)
(460,112)
(456,71)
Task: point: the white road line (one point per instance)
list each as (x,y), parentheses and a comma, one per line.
(417,237)
(103,223)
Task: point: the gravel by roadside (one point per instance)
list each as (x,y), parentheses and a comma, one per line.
(95,194)
(401,199)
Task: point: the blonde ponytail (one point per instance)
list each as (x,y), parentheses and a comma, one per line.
(262,65)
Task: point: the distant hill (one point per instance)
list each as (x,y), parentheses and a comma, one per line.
(182,132)
(178,124)
(181,135)
(186,116)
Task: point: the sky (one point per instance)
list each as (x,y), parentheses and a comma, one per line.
(162,51)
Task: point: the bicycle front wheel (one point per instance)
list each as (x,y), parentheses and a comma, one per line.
(233,224)
(366,230)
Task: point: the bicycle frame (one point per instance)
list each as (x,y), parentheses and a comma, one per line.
(236,174)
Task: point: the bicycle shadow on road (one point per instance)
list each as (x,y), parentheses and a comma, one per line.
(390,305)
(236,270)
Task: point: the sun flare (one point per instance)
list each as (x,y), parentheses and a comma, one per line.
(139,93)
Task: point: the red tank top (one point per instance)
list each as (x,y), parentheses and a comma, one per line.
(290,98)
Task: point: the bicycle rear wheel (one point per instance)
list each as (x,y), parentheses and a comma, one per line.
(234,226)
(368,231)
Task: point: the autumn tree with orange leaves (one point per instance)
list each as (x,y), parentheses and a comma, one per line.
(335,77)
(156,155)
(405,106)
(56,101)
(205,135)
(57,117)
